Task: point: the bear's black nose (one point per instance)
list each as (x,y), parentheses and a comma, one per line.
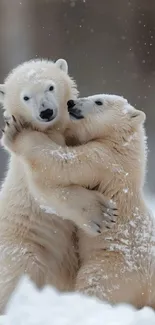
(47,114)
(70,103)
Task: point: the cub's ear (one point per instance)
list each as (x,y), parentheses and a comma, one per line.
(137,117)
(2,93)
(62,65)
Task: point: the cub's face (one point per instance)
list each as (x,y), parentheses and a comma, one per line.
(38,91)
(111,109)
(40,101)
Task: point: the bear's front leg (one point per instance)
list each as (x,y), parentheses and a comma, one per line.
(13,133)
(21,138)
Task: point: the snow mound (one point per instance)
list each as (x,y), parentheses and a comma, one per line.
(29,306)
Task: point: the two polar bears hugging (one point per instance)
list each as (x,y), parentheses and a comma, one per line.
(52,187)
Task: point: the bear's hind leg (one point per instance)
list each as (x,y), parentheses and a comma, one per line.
(107,276)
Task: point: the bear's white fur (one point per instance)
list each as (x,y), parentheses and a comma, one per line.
(33,239)
(46,252)
(119,264)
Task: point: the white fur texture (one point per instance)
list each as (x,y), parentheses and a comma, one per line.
(23,222)
(34,239)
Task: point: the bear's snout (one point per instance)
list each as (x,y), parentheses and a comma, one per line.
(47,114)
(70,103)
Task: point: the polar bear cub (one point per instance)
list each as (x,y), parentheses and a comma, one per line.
(117,265)
(38,92)
(33,238)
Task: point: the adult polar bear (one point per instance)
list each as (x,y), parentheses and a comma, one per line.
(31,240)
(118,265)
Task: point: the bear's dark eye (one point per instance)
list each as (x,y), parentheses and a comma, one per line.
(51,88)
(26,98)
(98,102)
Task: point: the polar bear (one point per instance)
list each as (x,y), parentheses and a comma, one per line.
(33,238)
(119,264)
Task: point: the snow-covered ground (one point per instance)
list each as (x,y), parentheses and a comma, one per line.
(29,306)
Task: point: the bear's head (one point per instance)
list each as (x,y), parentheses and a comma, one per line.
(38,91)
(107,115)
(119,125)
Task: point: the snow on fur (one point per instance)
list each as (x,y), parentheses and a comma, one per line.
(29,306)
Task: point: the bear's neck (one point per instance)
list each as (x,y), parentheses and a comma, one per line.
(56,136)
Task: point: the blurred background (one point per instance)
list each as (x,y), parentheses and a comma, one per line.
(109,45)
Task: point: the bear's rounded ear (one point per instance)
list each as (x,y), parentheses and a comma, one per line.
(137,117)
(62,65)
(2,93)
